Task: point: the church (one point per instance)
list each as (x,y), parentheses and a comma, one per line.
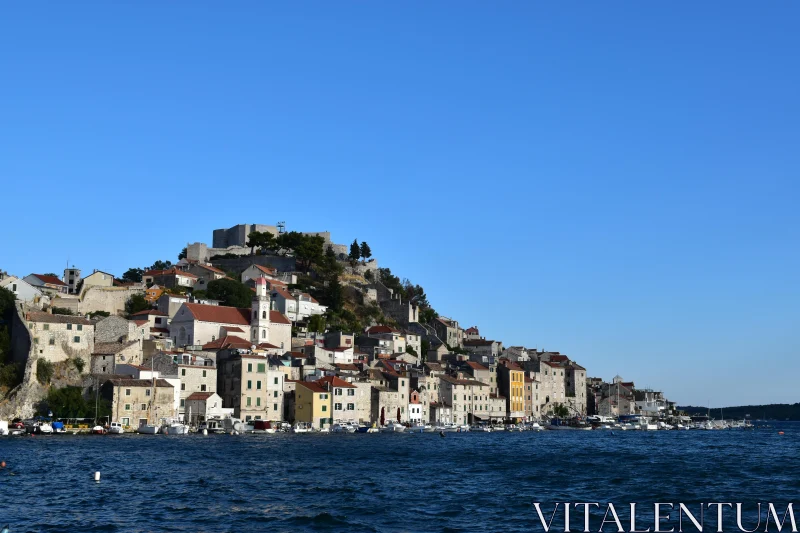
(199,324)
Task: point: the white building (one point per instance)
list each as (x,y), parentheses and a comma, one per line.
(23,291)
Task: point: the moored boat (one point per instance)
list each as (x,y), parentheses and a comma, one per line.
(115,428)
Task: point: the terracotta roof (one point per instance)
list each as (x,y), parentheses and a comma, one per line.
(312,386)
(38,316)
(49,279)
(382,329)
(219,314)
(212,269)
(346,366)
(277,318)
(266,270)
(111,348)
(267,346)
(473,329)
(233,329)
(336,382)
(140,322)
(149,312)
(296,354)
(478,342)
(122,382)
(200,396)
(559,358)
(283,292)
(275,283)
(476,366)
(310,298)
(231,341)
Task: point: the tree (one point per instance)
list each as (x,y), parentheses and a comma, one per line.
(366,253)
(391,281)
(183,254)
(68,402)
(102,314)
(133,275)
(61,311)
(309,251)
(425,346)
(51,274)
(316,323)
(334,295)
(289,240)
(160,265)
(428,315)
(136,303)
(355,253)
(560,410)
(411,350)
(230,292)
(44,371)
(263,240)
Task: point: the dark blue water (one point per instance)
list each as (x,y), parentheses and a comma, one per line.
(386,482)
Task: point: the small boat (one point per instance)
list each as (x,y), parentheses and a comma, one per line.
(147,429)
(98,430)
(173,427)
(302,427)
(58,427)
(212,425)
(264,426)
(421,428)
(536,427)
(393,427)
(115,428)
(344,427)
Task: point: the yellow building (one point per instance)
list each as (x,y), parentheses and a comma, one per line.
(312,404)
(511,381)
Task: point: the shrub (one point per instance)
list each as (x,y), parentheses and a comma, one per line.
(61,311)
(79,364)
(98,313)
(44,371)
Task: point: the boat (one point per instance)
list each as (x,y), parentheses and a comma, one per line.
(264,426)
(58,427)
(98,430)
(344,427)
(572,424)
(302,427)
(393,427)
(536,427)
(115,428)
(148,429)
(233,426)
(3,428)
(173,427)
(212,425)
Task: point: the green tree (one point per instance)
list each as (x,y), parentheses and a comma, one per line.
(183,254)
(316,323)
(69,402)
(136,303)
(310,251)
(44,371)
(411,350)
(428,315)
(391,281)
(365,252)
(355,253)
(263,240)
(51,274)
(289,240)
(133,275)
(368,275)
(61,311)
(425,346)
(334,294)
(160,265)
(101,314)
(560,410)
(230,292)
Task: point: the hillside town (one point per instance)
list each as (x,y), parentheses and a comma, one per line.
(318,336)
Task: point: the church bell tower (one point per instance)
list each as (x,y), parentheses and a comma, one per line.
(259,321)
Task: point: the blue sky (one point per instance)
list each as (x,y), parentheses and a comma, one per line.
(615,182)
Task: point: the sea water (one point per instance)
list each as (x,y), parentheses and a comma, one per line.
(382,482)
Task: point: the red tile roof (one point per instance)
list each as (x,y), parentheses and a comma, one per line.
(219,314)
(276,317)
(233,329)
(336,382)
(267,346)
(476,366)
(382,329)
(266,270)
(200,396)
(231,341)
(49,279)
(283,292)
(212,269)
(312,386)
(140,322)
(149,312)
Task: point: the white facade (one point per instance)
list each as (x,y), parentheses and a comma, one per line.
(23,291)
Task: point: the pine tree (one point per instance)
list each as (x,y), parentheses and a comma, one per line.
(366,253)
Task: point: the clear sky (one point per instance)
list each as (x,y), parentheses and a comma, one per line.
(618,182)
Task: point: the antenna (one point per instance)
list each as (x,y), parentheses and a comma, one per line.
(281,227)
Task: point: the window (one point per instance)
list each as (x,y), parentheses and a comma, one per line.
(69,326)
(263,334)
(147,392)
(213,338)
(262,368)
(127,407)
(351,392)
(258,385)
(127,392)
(274,394)
(36,340)
(183,403)
(337,407)
(275,382)
(183,371)
(126,421)
(249,384)
(351,407)
(46,327)
(183,386)
(76,339)
(143,407)
(337,392)
(275,406)
(249,367)
(263,314)
(258,401)
(80,327)
(324,408)
(248,401)
(202,388)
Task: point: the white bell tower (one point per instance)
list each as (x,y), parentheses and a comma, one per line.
(259,321)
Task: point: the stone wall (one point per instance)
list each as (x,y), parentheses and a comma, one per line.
(239,264)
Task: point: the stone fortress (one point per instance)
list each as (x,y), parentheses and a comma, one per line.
(234,241)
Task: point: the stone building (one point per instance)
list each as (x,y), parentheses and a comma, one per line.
(23,291)
(483,350)
(135,402)
(198,377)
(448,331)
(344,399)
(237,235)
(249,385)
(107,355)
(60,337)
